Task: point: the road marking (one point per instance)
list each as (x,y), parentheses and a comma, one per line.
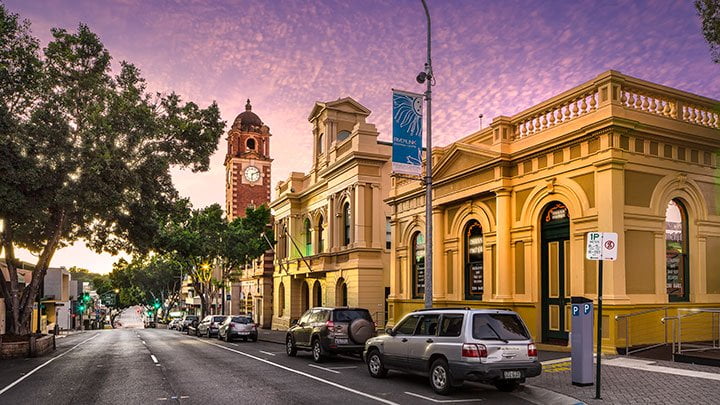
(304,374)
(45,364)
(650,366)
(234,344)
(555,361)
(442,401)
(144,343)
(268,353)
(184,397)
(323,368)
(154,359)
(342,368)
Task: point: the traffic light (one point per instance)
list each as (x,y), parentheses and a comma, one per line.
(86,297)
(150,313)
(156,304)
(81,307)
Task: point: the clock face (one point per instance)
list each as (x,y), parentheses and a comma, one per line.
(252,174)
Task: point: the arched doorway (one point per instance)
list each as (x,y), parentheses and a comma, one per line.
(317,294)
(677,263)
(555,264)
(341,293)
(305,297)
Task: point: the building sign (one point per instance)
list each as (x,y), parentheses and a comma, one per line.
(475,268)
(407,133)
(557,213)
(476,278)
(420,278)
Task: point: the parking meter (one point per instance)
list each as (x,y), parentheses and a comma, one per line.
(582,341)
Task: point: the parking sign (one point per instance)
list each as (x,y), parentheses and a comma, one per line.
(601,246)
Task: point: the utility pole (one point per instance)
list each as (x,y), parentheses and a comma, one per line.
(427,76)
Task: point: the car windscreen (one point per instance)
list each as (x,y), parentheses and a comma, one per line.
(191,317)
(219,318)
(241,319)
(349,315)
(499,327)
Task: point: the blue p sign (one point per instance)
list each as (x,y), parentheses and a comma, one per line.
(575,310)
(586,308)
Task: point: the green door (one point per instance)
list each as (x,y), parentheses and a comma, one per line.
(555,265)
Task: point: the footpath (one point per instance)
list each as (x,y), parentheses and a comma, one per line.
(625,380)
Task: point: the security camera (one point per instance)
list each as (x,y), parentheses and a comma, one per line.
(421,77)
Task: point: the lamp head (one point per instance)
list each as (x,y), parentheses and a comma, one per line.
(421,77)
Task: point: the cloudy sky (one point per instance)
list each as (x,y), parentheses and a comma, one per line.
(495,57)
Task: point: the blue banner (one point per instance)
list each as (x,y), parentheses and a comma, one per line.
(407,133)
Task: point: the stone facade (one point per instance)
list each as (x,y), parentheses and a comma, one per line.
(330,223)
(512,204)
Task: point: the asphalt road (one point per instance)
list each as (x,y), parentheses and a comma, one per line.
(141,366)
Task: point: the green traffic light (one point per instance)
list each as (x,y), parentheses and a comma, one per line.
(81,308)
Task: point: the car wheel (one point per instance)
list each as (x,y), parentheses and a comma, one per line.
(290,346)
(375,365)
(506,385)
(317,351)
(440,377)
(253,338)
(244,339)
(219,337)
(207,333)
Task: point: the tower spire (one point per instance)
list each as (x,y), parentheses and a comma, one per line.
(248,107)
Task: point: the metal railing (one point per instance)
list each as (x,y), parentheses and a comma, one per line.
(636,316)
(696,327)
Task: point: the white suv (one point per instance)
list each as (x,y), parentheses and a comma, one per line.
(453,345)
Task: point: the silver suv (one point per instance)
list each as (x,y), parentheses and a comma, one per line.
(452,345)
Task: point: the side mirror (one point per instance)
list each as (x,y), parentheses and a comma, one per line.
(294,321)
(390,331)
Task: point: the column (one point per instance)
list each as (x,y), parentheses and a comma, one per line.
(360,216)
(331,224)
(439,278)
(353,213)
(503,249)
(378,218)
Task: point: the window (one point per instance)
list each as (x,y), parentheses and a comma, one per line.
(428,325)
(308,237)
(321,240)
(473,261)
(676,251)
(281,299)
(320,144)
(407,326)
(499,327)
(346,224)
(343,135)
(451,325)
(250,144)
(344,295)
(418,265)
(388,233)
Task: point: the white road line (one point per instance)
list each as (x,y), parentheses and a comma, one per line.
(268,353)
(342,368)
(154,359)
(234,344)
(650,366)
(292,370)
(184,397)
(442,401)
(555,361)
(323,368)
(144,342)
(45,364)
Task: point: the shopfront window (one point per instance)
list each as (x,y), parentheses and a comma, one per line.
(474,282)
(418,265)
(676,251)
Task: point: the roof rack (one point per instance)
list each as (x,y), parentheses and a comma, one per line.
(442,309)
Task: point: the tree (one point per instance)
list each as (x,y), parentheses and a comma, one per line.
(85,154)
(212,250)
(709,12)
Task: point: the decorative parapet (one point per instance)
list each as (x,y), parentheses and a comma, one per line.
(619,90)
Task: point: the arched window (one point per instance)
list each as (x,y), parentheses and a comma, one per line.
(341,293)
(677,263)
(308,238)
(418,265)
(346,224)
(473,261)
(320,144)
(317,294)
(250,144)
(343,135)
(281,299)
(320,237)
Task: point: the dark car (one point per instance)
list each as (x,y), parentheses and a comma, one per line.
(238,326)
(186,321)
(329,331)
(209,325)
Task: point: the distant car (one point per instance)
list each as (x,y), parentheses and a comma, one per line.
(238,326)
(209,325)
(329,331)
(452,345)
(149,323)
(186,321)
(174,323)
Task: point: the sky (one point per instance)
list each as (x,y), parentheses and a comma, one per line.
(490,57)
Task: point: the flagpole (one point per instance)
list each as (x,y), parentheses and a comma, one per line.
(428,171)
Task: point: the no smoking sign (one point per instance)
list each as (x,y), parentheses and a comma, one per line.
(601,246)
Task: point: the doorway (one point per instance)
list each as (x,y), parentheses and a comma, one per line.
(555,265)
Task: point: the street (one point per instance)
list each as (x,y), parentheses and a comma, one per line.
(134,365)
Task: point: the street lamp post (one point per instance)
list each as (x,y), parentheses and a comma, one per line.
(427,76)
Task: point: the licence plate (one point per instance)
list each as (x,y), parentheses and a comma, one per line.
(512,375)
(243,333)
(341,341)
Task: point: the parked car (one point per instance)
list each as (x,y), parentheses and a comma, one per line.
(186,321)
(453,345)
(329,331)
(209,325)
(174,323)
(149,323)
(238,326)
(192,328)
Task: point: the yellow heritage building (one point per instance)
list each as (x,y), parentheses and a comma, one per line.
(512,204)
(332,224)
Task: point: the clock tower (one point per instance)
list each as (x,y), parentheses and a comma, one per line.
(247,164)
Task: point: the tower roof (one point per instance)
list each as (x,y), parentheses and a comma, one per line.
(247,120)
